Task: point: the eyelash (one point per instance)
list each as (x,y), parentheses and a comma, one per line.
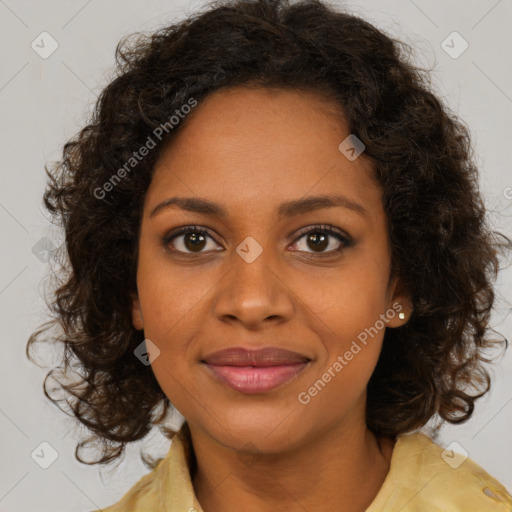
(319,228)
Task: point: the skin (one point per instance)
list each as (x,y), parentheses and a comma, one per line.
(250,150)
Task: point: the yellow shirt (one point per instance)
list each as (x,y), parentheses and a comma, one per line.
(419,480)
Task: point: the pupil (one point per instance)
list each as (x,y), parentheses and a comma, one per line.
(194,241)
(319,241)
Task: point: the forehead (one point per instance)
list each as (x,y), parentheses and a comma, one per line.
(254,148)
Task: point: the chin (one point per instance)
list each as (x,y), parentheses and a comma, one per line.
(255,433)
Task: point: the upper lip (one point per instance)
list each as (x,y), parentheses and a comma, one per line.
(268,356)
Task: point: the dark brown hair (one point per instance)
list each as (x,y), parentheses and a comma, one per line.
(442,248)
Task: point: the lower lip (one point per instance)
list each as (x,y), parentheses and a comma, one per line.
(251,379)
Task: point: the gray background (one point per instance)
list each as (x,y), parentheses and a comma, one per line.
(43,103)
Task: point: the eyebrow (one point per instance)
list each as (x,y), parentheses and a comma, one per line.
(285,210)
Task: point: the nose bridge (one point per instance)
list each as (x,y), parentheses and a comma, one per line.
(252,290)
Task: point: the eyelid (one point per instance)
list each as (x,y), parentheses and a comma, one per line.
(188,229)
(194,228)
(327,228)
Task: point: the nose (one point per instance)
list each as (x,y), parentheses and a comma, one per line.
(253,292)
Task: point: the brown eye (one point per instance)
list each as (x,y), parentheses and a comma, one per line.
(320,238)
(189,239)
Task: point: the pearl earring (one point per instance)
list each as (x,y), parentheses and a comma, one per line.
(401,315)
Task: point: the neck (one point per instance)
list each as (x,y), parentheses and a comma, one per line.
(340,469)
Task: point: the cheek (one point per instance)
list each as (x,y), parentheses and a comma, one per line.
(347,310)
(347,318)
(173,314)
(169,298)
(348,300)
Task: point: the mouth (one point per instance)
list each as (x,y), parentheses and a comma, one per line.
(255,371)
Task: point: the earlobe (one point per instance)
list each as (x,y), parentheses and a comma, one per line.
(137,320)
(400,312)
(400,307)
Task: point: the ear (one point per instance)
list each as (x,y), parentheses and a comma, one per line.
(137,319)
(399,304)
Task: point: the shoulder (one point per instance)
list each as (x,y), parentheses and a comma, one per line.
(143,495)
(167,487)
(424,476)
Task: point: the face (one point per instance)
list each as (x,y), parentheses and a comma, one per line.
(260,270)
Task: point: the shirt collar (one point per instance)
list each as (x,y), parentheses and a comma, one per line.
(176,475)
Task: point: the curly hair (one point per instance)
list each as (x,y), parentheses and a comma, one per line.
(442,248)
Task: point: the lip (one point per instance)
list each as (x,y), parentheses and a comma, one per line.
(255,371)
(267,356)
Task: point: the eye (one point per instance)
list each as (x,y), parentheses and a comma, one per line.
(193,239)
(317,238)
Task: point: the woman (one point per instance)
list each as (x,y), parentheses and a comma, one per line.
(274,227)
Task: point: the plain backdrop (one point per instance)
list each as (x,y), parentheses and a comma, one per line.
(44,101)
